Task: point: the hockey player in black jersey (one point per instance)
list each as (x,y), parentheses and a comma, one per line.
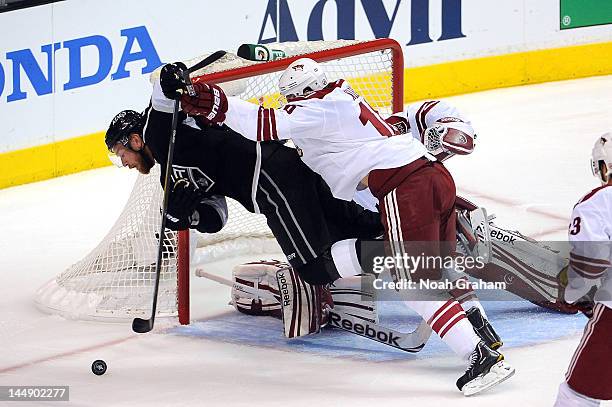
(212,162)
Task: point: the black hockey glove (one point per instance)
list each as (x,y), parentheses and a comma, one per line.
(182,202)
(171,79)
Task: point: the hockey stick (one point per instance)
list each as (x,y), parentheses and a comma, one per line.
(207,61)
(411,342)
(407,341)
(145,325)
(238,286)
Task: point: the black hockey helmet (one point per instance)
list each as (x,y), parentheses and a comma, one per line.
(123,124)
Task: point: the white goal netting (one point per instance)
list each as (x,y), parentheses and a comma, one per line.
(115,281)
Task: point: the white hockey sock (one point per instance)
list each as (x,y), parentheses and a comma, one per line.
(569,398)
(345,258)
(448,320)
(462,339)
(466,296)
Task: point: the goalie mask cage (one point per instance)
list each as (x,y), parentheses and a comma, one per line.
(115,281)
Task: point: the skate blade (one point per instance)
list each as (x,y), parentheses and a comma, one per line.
(500,372)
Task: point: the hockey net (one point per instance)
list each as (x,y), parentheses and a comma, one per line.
(114,282)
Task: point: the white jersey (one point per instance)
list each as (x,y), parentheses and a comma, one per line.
(419,116)
(365,198)
(337,133)
(590,237)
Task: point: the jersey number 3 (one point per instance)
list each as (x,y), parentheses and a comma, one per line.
(575,226)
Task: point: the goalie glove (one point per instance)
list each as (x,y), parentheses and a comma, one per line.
(182,202)
(447,136)
(260,275)
(210,101)
(171,79)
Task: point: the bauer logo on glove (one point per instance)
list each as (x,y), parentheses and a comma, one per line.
(210,101)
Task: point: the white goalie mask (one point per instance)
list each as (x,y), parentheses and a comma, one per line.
(302,76)
(602,153)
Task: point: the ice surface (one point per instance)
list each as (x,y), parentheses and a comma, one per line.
(530,167)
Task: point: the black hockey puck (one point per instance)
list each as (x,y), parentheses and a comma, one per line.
(98,367)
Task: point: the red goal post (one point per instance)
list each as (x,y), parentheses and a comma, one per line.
(114,282)
(360,48)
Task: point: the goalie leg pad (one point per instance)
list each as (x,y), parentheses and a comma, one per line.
(528,268)
(260,275)
(355,296)
(302,304)
(473,234)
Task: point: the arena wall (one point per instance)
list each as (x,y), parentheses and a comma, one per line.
(66,68)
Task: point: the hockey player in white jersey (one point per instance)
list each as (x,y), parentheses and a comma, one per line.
(589,279)
(445,132)
(348,143)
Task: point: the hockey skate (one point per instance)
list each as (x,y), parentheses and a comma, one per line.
(483,328)
(487,368)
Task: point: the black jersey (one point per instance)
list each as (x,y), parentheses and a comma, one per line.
(217,159)
(268,178)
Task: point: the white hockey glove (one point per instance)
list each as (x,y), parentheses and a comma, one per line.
(449,137)
(577,291)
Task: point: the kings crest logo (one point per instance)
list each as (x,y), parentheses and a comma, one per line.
(298,67)
(278,22)
(194,175)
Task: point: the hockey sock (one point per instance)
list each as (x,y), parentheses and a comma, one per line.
(448,320)
(345,257)
(466,296)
